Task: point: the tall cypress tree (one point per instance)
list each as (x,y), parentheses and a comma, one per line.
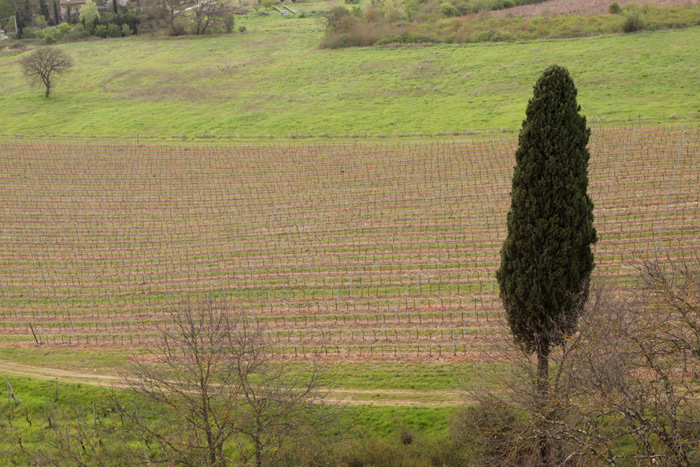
(44,10)
(56,15)
(24,18)
(546,259)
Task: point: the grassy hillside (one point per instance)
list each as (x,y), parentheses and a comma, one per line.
(274,80)
(40,399)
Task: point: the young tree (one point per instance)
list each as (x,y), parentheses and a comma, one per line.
(43,64)
(275,403)
(207,13)
(89,14)
(546,259)
(6,12)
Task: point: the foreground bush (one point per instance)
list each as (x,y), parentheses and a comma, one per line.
(626,387)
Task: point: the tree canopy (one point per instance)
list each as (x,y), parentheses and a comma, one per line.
(6,11)
(43,64)
(546,259)
(89,14)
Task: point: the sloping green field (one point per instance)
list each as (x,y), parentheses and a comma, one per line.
(274,81)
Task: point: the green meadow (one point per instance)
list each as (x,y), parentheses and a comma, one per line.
(29,419)
(274,81)
(409,376)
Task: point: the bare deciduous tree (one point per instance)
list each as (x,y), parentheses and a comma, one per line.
(631,372)
(170,11)
(164,14)
(638,361)
(276,402)
(208,12)
(179,16)
(216,378)
(42,65)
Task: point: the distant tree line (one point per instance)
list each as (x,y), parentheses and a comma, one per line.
(50,22)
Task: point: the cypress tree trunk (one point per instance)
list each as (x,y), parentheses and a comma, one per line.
(543,371)
(545,446)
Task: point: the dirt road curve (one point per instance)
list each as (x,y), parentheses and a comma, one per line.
(388,397)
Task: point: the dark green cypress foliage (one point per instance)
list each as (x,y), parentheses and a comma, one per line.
(24,18)
(56,15)
(546,259)
(27,12)
(44,10)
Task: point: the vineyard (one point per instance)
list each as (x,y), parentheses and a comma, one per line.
(343,251)
(576,7)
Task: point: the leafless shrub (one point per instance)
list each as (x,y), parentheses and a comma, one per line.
(216,379)
(637,359)
(629,373)
(179,17)
(208,13)
(82,438)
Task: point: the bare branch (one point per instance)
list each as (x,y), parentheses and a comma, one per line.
(43,64)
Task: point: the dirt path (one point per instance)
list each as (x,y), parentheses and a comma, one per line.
(375,397)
